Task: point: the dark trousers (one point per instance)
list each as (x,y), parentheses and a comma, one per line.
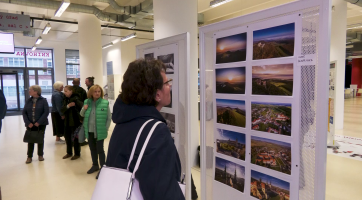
(97,150)
(40,146)
(58,124)
(69,131)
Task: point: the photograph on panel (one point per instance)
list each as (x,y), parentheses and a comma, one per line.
(231,112)
(230,174)
(170,120)
(273,80)
(231,49)
(273,118)
(169,61)
(149,56)
(230,143)
(271,154)
(267,187)
(230,80)
(275,42)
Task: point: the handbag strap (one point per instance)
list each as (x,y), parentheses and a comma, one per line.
(144,148)
(136,141)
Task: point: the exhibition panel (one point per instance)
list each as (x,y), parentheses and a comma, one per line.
(174,52)
(260,110)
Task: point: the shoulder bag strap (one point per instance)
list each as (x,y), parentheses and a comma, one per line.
(144,148)
(136,141)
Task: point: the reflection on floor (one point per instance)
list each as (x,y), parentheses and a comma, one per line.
(344,177)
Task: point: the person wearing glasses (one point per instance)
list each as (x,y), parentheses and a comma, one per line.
(145,90)
(35,115)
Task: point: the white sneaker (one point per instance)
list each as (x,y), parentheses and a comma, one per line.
(60,141)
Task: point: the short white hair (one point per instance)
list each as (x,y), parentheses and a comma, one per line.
(57,85)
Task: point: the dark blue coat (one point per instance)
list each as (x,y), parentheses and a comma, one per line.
(41,111)
(160,169)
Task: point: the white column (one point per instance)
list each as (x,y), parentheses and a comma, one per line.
(338,53)
(90,48)
(173,17)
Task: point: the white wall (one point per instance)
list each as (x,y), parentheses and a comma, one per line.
(58,46)
(338,53)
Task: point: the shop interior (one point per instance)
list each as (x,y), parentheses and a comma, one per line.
(101,37)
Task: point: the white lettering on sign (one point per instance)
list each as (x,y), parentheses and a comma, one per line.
(307,60)
(14,22)
(33,54)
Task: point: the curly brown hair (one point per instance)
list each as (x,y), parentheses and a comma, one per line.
(141,81)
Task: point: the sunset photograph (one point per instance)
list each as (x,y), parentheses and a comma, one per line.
(230,80)
(267,187)
(231,48)
(273,79)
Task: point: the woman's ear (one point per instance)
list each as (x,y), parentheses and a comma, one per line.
(158,96)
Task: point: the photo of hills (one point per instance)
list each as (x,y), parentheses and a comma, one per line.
(231,112)
(265,187)
(274,42)
(231,49)
(230,143)
(273,80)
(272,117)
(230,80)
(271,154)
(230,174)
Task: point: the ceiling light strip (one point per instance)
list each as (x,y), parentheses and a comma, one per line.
(47,29)
(216,3)
(128,37)
(63,6)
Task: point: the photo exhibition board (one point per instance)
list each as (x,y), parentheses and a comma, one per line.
(168,54)
(256,109)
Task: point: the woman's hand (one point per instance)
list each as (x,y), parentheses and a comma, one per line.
(30,125)
(71,104)
(85,107)
(36,124)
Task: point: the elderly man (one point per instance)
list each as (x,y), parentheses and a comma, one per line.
(3,107)
(79,90)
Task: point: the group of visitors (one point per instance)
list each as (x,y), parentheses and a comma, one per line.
(145,90)
(71,110)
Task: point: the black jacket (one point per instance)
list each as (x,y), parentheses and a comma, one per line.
(41,111)
(160,169)
(81,93)
(72,114)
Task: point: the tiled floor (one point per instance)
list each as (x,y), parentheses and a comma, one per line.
(56,178)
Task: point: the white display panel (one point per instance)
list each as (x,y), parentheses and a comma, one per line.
(174,52)
(277,91)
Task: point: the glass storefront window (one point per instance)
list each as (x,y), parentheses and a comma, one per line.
(72,63)
(13,60)
(40,58)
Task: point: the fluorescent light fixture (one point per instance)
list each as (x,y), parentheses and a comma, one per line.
(107,45)
(63,6)
(47,29)
(39,40)
(33,48)
(354,27)
(216,3)
(349,46)
(128,37)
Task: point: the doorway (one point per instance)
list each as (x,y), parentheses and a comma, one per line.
(43,78)
(9,84)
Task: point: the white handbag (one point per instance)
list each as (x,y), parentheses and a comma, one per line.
(121,184)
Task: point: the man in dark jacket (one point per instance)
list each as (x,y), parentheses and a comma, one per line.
(3,107)
(82,94)
(154,166)
(89,82)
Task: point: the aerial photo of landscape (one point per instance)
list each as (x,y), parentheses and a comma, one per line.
(231,112)
(230,80)
(265,187)
(231,48)
(272,117)
(271,154)
(230,174)
(273,80)
(230,143)
(170,120)
(274,42)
